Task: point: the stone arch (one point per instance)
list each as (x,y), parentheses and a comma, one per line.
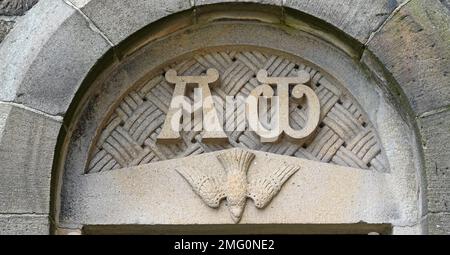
(42,76)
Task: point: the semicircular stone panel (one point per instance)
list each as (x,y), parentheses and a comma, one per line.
(344,136)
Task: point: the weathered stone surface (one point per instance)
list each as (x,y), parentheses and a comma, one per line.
(24,225)
(120,19)
(56,62)
(27,143)
(18,52)
(446,3)
(394,133)
(435,131)
(415,47)
(5,27)
(49,83)
(345,195)
(356,18)
(15,7)
(439,224)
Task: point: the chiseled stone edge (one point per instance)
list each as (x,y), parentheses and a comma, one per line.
(119,19)
(45,62)
(27,144)
(435,130)
(414,47)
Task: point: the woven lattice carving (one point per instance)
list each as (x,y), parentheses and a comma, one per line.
(344,136)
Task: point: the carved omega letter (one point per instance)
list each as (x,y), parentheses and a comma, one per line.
(280,122)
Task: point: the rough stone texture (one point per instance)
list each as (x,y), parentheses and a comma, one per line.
(446,3)
(115,20)
(435,130)
(27,143)
(47,86)
(15,7)
(23,44)
(5,27)
(59,58)
(356,18)
(10,9)
(119,19)
(346,195)
(415,47)
(24,225)
(439,224)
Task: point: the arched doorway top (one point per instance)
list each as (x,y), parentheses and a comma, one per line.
(45,63)
(56,54)
(112,140)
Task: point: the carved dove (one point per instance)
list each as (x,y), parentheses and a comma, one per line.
(234,185)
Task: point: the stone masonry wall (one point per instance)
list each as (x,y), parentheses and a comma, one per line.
(411,40)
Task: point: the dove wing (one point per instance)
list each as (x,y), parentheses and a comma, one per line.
(207,187)
(262,190)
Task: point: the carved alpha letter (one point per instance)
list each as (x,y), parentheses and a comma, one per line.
(212,127)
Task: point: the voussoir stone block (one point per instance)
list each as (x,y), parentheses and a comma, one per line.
(356,18)
(23,44)
(24,225)
(415,47)
(27,144)
(44,69)
(435,131)
(120,19)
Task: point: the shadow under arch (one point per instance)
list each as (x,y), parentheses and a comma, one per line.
(288,19)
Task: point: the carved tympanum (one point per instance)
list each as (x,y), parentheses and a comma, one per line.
(234,185)
(344,135)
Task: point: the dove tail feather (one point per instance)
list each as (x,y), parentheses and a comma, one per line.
(236,159)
